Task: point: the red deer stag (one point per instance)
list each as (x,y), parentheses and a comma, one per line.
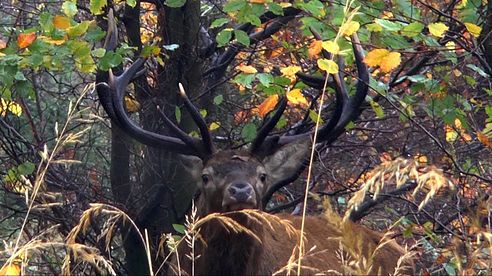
(234,181)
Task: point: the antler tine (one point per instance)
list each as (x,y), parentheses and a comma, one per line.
(268,126)
(111,91)
(198,119)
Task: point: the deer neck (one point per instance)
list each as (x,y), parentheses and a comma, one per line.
(227,252)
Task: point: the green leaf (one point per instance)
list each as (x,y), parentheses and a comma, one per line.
(179,228)
(377,109)
(242,37)
(69,8)
(131,3)
(177,113)
(265,79)
(175,3)
(99,52)
(314,7)
(219,22)
(479,70)
(26,168)
(244,79)
(150,50)
(413,29)
(249,132)
(314,116)
(96,6)
(218,99)
(223,37)
(233,6)
(275,8)
(388,25)
(79,29)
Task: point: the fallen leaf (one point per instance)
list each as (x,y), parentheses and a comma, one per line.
(61,22)
(315,48)
(131,104)
(267,105)
(247,69)
(26,39)
(295,97)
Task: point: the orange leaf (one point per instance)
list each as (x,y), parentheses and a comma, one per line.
(267,105)
(383,58)
(247,69)
(315,48)
(24,40)
(484,139)
(3,44)
(61,22)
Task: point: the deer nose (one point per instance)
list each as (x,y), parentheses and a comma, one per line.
(240,191)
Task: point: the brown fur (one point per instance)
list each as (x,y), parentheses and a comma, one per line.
(227,253)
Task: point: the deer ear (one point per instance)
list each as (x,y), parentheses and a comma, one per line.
(286,161)
(192,164)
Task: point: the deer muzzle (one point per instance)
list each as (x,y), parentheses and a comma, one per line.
(239,195)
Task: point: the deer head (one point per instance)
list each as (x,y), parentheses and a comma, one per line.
(235,179)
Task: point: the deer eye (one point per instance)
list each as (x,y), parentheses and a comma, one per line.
(205,179)
(263,177)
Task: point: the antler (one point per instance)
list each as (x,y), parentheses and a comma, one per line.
(111,92)
(347,109)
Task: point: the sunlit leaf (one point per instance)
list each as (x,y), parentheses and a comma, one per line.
(213,126)
(295,97)
(438,29)
(257,1)
(10,106)
(473,29)
(61,22)
(267,105)
(290,71)
(131,3)
(348,28)
(96,6)
(328,65)
(331,46)
(383,58)
(13,269)
(315,48)
(25,39)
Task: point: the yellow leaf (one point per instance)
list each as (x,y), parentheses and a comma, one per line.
(328,65)
(374,57)
(213,126)
(267,105)
(383,58)
(11,106)
(315,48)
(26,39)
(451,134)
(438,29)
(12,269)
(290,71)
(247,69)
(473,29)
(61,22)
(450,45)
(390,62)
(131,104)
(331,47)
(52,41)
(462,4)
(295,97)
(257,1)
(349,28)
